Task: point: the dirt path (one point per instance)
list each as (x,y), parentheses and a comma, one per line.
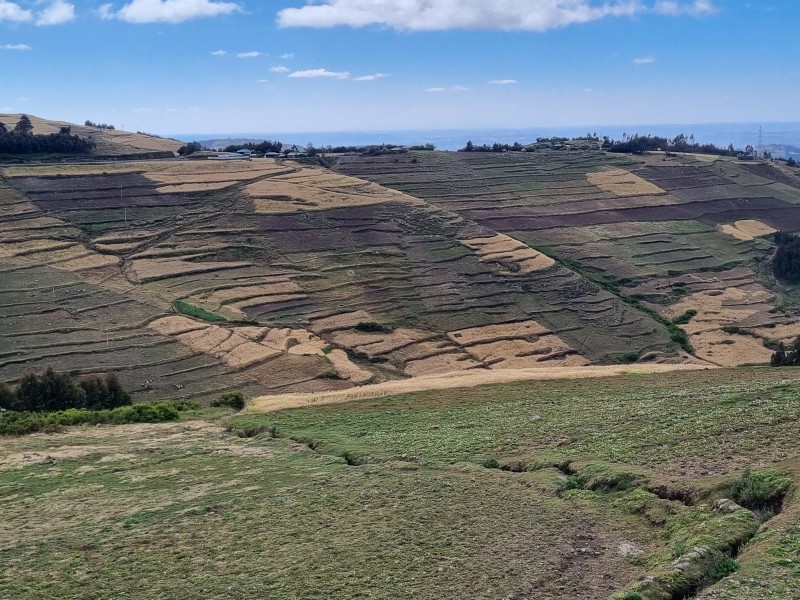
(457,379)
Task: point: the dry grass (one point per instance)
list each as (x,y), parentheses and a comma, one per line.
(454,380)
(623,183)
(720,308)
(241,347)
(314,189)
(747,229)
(503,249)
(522,345)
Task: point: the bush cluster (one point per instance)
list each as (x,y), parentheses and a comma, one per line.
(21,423)
(58,391)
(235,400)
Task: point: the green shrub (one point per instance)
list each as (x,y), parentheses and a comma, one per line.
(761,490)
(373,327)
(726,566)
(190,310)
(491,463)
(685,317)
(235,400)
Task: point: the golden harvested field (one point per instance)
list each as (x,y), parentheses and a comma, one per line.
(312,189)
(515,256)
(623,183)
(245,346)
(453,380)
(730,307)
(748,229)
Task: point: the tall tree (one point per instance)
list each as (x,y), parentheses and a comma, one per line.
(24,125)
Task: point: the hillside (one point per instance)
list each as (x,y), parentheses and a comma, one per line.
(109,143)
(274,277)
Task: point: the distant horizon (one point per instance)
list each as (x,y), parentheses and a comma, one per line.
(740,134)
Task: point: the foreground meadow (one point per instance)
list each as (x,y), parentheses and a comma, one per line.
(549,489)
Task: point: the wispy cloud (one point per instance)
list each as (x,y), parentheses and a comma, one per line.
(674,8)
(251,54)
(279,69)
(167,11)
(15,47)
(371,77)
(433,15)
(317,73)
(58,13)
(287,55)
(503,82)
(644,60)
(219,53)
(441,90)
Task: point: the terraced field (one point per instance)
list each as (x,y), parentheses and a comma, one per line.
(295,278)
(661,229)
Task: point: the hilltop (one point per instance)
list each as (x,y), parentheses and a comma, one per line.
(109,143)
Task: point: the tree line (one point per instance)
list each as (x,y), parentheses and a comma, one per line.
(640,144)
(54,391)
(22,140)
(89,123)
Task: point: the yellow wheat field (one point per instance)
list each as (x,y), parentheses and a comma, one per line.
(313,189)
(747,229)
(720,308)
(623,183)
(505,249)
(458,379)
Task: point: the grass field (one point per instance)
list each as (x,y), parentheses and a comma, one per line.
(600,483)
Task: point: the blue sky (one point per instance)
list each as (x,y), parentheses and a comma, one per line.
(212,66)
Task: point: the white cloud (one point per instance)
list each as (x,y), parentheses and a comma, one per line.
(252,54)
(280,69)
(644,60)
(433,15)
(219,53)
(503,82)
(167,11)
(371,77)
(287,56)
(315,73)
(9,11)
(674,8)
(15,47)
(455,88)
(58,13)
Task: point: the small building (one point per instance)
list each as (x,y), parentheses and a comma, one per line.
(244,152)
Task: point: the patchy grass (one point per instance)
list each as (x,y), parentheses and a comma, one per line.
(453,493)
